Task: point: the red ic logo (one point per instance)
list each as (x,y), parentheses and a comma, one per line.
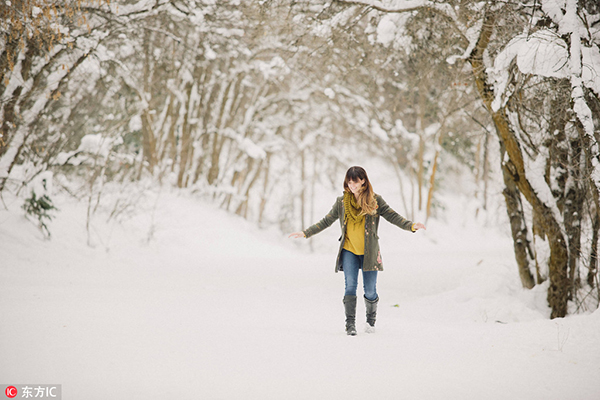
(11,392)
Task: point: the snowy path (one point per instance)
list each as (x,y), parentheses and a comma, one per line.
(213,309)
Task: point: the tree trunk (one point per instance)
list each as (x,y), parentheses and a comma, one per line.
(243,207)
(593,267)
(573,214)
(263,195)
(558,264)
(432,179)
(407,210)
(486,168)
(148,139)
(187,150)
(421,153)
(303,187)
(522,246)
(218,140)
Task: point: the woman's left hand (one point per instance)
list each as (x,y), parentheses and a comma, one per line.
(418,226)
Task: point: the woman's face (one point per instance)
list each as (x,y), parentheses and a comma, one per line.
(355,186)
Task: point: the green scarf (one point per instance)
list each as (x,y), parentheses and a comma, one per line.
(352,211)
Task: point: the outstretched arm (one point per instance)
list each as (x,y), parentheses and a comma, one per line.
(393,217)
(319,226)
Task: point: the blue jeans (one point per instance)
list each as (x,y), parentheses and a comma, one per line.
(351,263)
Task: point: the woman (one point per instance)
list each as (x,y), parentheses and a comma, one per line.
(358,211)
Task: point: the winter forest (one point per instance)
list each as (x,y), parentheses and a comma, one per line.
(258,107)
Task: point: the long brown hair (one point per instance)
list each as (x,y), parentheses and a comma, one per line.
(366,197)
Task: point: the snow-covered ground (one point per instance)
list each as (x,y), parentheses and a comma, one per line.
(184,301)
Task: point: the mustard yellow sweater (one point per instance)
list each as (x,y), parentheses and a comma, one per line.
(355,237)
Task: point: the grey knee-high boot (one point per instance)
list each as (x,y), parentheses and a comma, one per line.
(350,307)
(371,306)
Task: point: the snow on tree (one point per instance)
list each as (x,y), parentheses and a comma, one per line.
(235,99)
(528,62)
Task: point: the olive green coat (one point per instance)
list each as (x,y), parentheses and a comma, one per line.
(372,253)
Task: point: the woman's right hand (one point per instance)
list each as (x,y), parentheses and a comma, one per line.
(297,235)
